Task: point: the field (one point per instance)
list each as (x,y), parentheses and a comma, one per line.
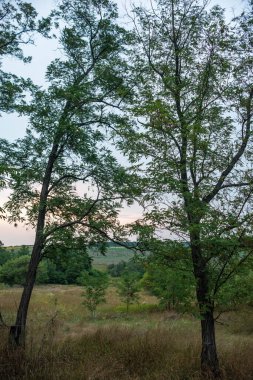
(64,342)
(113,256)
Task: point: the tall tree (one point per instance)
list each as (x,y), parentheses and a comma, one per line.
(65,177)
(193,124)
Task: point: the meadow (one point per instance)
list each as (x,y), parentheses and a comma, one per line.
(64,342)
(114,255)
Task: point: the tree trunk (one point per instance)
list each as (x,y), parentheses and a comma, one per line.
(17,331)
(209,359)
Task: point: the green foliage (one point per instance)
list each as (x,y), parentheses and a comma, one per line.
(13,272)
(128,288)
(7,254)
(236,292)
(24,250)
(174,287)
(66,263)
(95,284)
(18,23)
(116,270)
(61,266)
(65,143)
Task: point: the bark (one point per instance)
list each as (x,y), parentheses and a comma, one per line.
(209,357)
(17,331)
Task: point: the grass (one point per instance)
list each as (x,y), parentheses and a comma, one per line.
(113,256)
(63,342)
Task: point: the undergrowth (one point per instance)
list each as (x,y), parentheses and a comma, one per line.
(122,353)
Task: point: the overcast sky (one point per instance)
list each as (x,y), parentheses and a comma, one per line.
(43,52)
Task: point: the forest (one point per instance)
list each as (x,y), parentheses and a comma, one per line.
(150,111)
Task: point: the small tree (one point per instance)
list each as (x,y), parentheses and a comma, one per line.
(95,284)
(128,288)
(174,287)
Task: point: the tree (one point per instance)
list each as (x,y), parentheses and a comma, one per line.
(7,253)
(173,285)
(65,144)
(115,270)
(192,121)
(13,272)
(66,263)
(128,288)
(95,284)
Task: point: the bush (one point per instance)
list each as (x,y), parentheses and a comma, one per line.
(173,287)
(13,272)
(7,253)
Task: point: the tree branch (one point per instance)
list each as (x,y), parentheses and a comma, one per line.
(236,157)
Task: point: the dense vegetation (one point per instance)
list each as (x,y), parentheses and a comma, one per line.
(64,267)
(173,286)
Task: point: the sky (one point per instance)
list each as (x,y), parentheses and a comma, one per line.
(43,52)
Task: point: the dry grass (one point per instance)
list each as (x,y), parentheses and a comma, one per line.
(64,343)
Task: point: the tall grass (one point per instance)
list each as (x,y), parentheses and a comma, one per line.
(64,343)
(122,353)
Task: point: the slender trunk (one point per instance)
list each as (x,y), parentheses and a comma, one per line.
(93,314)
(17,331)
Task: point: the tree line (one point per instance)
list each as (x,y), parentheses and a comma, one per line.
(174,95)
(173,286)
